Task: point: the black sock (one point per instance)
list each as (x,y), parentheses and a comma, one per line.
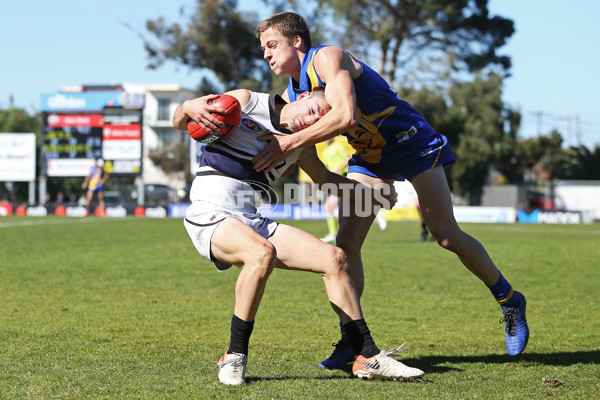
(240,335)
(360,338)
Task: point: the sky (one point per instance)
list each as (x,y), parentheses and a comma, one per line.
(47,45)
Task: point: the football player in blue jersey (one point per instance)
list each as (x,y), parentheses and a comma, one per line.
(392,141)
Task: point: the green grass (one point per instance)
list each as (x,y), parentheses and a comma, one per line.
(126,309)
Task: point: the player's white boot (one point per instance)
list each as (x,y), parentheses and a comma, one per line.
(384,366)
(232,368)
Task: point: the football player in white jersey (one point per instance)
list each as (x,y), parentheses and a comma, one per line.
(226,228)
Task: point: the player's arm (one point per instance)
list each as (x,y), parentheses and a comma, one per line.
(341,186)
(337,69)
(105,177)
(242,95)
(86,181)
(200,111)
(194,109)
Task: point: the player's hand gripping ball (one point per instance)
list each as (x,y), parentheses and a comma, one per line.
(231,118)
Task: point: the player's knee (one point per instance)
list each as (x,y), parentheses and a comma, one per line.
(446,237)
(338,262)
(262,259)
(340,259)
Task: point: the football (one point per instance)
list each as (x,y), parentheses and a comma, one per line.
(231,118)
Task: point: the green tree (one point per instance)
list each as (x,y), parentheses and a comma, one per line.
(217,39)
(589,163)
(509,164)
(553,159)
(481,131)
(18,120)
(568,163)
(172,158)
(544,158)
(483,142)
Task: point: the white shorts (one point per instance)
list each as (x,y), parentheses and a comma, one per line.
(216,197)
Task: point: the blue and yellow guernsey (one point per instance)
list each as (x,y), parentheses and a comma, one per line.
(390,132)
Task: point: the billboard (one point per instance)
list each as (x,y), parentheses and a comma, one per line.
(78,127)
(122,141)
(17,157)
(72,136)
(91,100)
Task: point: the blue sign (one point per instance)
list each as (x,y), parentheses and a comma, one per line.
(528,218)
(90,101)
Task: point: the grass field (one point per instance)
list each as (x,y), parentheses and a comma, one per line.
(126,309)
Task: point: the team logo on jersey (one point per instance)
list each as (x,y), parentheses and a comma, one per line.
(402,136)
(250,125)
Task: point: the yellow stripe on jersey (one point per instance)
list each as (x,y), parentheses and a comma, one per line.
(438,156)
(312,74)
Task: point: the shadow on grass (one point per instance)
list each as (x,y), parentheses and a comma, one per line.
(255,379)
(434,364)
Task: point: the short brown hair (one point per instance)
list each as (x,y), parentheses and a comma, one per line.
(289,24)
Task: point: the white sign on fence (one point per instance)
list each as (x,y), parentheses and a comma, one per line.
(17,157)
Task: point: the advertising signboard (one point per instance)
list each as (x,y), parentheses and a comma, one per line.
(17,157)
(81,126)
(122,141)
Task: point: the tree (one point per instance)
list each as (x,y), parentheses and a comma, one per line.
(509,165)
(552,159)
(588,163)
(173,158)
(484,143)
(481,131)
(217,39)
(412,33)
(544,158)
(18,120)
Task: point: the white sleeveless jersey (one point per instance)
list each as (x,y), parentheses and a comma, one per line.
(233,155)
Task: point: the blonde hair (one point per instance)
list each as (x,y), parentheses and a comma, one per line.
(319,93)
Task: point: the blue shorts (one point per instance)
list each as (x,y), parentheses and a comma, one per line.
(97,189)
(406,167)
